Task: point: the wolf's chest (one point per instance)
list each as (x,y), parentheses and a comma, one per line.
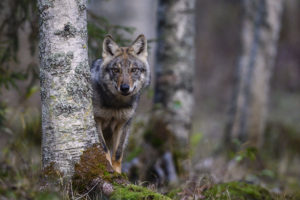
(114,117)
(116,114)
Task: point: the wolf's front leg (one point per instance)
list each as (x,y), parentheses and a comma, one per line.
(102,141)
(119,141)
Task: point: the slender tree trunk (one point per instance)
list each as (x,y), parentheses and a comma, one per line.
(260,34)
(70,143)
(173,99)
(67,114)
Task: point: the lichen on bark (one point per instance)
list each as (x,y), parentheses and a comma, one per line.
(67,115)
(68,31)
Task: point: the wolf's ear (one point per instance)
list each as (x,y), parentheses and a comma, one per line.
(139,46)
(109,47)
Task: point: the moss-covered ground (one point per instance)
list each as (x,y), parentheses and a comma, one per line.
(134,192)
(93,165)
(244,191)
(237,191)
(20,171)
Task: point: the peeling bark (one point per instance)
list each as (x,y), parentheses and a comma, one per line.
(260,34)
(67,116)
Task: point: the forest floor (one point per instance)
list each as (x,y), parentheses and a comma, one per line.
(275,166)
(272,173)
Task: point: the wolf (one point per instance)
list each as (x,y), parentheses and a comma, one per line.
(117,81)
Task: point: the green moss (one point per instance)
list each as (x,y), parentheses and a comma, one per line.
(92,166)
(237,191)
(45,195)
(134,192)
(133,154)
(173,193)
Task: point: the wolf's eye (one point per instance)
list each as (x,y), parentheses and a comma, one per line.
(134,70)
(115,70)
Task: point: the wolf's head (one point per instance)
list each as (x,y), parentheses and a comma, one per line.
(125,70)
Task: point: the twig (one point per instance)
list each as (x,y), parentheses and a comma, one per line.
(228,194)
(88,191)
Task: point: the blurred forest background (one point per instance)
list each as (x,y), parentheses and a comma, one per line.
(218,47)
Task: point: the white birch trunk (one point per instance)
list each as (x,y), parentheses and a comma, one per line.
(175,65)
(67,115)
(174,71)
(260,34)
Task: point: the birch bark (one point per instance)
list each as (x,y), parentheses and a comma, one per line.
(260,34)
(67,116)
(174,71)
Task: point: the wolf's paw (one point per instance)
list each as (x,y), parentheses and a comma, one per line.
(108,158)
(117,166)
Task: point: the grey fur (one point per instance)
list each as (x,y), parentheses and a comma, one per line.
(108,107)
(112,110)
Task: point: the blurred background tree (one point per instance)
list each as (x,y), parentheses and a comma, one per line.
(171,121)
(260,34)
(16,15)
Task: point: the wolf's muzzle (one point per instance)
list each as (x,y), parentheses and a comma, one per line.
(125,89)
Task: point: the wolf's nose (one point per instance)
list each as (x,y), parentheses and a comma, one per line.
(124,88)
